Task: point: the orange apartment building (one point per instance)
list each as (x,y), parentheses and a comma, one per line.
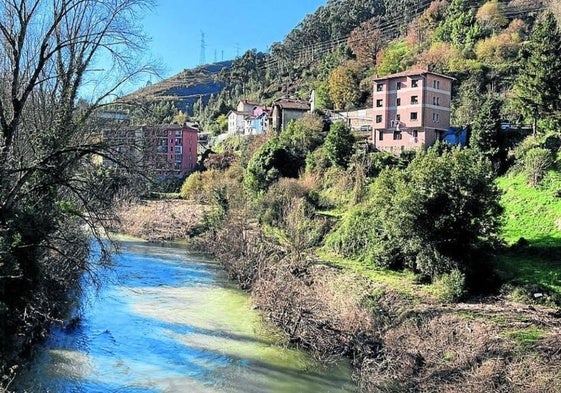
(411,109)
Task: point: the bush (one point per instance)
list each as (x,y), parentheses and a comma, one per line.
(192,186)
(451,286)
(440,213)
(339,144)
(536,162)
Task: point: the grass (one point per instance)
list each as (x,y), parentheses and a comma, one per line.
(403,282)
(532,213)
(535,215)
(525,338)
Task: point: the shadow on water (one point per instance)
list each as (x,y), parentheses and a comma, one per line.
(167,321)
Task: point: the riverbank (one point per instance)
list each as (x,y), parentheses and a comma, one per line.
(159,220)
(398,334)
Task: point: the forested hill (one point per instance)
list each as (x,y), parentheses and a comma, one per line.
(341,47)
(185,88)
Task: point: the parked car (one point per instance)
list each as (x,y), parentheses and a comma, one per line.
(365,127)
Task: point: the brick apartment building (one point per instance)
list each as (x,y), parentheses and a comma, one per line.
(411,109)
(165,150)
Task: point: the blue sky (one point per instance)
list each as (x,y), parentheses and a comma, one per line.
(230,27)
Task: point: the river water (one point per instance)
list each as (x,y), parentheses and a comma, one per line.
(168,321)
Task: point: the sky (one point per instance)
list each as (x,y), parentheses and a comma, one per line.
(230,27)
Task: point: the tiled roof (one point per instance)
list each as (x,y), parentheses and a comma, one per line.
(414,72)
(285,103)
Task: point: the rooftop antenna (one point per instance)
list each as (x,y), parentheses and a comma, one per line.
(215,57)
(202,59)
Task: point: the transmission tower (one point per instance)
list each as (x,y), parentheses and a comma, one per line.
(202,59)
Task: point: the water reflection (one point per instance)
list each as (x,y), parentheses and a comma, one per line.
(170,322)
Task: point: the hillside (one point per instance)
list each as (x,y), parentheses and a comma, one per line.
(185,88)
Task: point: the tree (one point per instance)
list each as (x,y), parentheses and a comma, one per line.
(50,142)
(491,16)
(460,26)
(366,41)
(536,162)
(486,129)
(343,88)
(439,214)
(339,144)
(393,58)
(268,164)
(537,90)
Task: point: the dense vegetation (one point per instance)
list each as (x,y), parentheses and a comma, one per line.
(353,252)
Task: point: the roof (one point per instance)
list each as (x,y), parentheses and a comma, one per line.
(249,102)
(174,127)
(286,103)
(414,72)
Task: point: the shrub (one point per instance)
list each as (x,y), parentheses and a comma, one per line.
(536,162)
(451,285)
(192,186)
(440,213)
(339,144)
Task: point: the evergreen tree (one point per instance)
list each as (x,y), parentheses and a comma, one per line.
(538,86)
(485,136)
(339,144)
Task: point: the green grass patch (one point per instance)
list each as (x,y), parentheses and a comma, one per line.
(403,282)
(525,338)
(531,267)
(535,215)
(532,213)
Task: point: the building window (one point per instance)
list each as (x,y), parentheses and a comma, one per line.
(379,103)
(177,141)
(436,117)
(178,158)
(436,101)
(397,135)
(379,87)
(178,133)
(414,83)
(378,118)
(398,85)
(381,135)
(436,84)
(415,133)
(398,102)
(413,116)
(178,150)
(414,99)
(398,117)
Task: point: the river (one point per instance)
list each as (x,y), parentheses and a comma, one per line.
(168,321)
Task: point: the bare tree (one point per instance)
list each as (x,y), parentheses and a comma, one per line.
(52,53)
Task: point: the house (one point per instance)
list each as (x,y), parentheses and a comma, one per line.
(166,150)
(236,122)
(411,109)
(249,118)
(284,110)
(247,106)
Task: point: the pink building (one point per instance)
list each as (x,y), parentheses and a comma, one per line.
(411,110)
(166,150)
(174,148)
